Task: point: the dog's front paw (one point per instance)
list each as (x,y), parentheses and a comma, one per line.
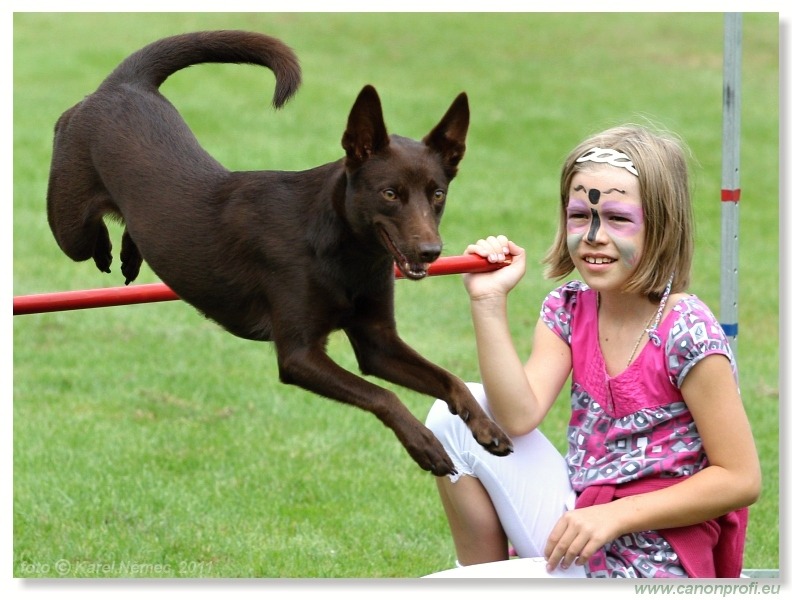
(428,452)
(491,437)
(441,466)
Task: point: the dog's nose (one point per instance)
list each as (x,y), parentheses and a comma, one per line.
(430,252)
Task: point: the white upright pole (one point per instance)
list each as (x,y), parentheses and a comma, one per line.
(730,175)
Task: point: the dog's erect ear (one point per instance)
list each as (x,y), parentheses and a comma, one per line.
(448,136)
(365,134)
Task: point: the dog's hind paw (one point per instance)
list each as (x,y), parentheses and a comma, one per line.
(103,262)
(103,250)
(130,273)
(130,258)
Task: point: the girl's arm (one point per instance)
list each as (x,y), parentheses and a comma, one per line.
(731,480)
(519,395)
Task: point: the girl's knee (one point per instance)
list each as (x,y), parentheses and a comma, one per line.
(440,421)
(454,435)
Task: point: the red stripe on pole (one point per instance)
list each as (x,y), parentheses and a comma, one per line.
(159,292)
(730,195)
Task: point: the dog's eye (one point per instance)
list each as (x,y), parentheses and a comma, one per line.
(439,196)
(390,195)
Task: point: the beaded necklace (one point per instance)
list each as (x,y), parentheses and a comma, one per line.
(650,328)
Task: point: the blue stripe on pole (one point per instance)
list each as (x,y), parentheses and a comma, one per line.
(730,329)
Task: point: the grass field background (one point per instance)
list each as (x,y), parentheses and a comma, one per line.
(145,436)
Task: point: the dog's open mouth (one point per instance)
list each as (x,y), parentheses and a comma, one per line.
(411,270)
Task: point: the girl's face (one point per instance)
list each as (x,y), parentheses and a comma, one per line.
(605,225)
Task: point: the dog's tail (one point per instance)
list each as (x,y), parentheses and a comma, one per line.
(154,63)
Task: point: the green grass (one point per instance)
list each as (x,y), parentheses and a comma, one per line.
(146,438)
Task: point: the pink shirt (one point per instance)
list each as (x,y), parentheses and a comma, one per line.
(634,425)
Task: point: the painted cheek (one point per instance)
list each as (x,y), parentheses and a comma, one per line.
(629,252)
(576,226)
(622,228)
(573,242)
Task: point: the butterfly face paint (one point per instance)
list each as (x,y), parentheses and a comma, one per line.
(620,220)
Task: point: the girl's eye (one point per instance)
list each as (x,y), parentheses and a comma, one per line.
(620,220)
(577,222)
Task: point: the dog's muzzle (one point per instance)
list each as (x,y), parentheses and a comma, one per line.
(412,269)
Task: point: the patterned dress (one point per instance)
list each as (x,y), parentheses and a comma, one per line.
(634,425)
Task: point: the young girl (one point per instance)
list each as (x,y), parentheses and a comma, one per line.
(661,460)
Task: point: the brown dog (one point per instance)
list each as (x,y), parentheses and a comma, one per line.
(286,257)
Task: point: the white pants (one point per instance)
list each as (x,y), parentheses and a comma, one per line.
(529,489)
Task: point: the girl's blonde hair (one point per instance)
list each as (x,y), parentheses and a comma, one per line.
(661,162)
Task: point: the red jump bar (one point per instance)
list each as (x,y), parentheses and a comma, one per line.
(159,292)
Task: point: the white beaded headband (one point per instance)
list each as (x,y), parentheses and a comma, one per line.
(612,157)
